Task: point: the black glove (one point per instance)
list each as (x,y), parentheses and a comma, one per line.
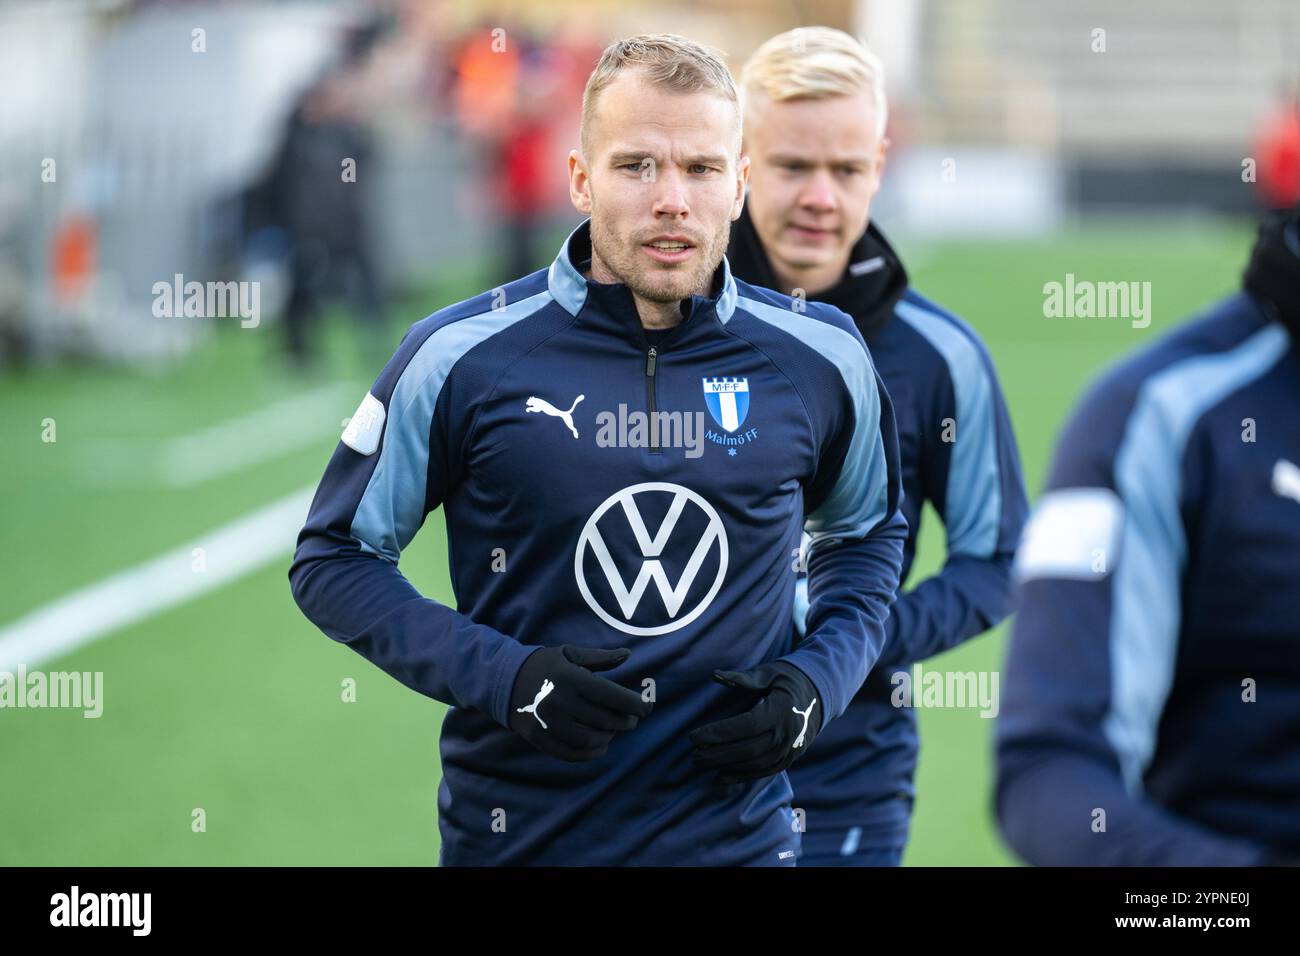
(560,707)
(768,737)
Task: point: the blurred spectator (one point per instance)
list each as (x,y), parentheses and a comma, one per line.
(511,94)
(528,163)
(1279,154)
(315,193)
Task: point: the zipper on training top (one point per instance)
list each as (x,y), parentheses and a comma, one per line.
(650,358)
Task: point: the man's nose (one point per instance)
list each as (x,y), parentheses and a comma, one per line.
(670,194)
(819,193)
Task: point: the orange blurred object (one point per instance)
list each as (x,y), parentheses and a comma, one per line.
(74,258)
(487,68)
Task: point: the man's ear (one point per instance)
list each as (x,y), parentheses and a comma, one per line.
(579,183)
(880,159)
(742,181)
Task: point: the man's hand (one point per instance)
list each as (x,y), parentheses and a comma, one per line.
(768,737)
(560,707)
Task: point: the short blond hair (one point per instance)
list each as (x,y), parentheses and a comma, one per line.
(668,61)
(814,63)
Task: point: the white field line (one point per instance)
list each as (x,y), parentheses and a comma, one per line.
(225,554)
(288,425)
(259,436)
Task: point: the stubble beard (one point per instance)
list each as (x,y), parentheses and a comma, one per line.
(671,284)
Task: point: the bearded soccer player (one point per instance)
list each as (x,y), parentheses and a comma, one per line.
(626,447)
(815,115)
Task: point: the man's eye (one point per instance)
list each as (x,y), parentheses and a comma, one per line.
(700,168)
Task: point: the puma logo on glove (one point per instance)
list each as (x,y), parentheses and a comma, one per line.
(547,687)
(583,709)
(765,739)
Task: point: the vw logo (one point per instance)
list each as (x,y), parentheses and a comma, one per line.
(651,548)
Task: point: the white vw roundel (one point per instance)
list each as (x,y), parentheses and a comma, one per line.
(629,599)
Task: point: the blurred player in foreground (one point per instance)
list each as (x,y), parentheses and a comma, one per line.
(1151,705)
(815,133)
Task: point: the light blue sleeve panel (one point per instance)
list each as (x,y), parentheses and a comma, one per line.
(397,497)
(973,502)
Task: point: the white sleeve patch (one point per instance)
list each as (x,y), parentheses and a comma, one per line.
(365,426)
(1073,533)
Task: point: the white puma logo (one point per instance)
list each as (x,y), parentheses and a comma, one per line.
(535,404)
(1286,479)
(547,686)
(798,741)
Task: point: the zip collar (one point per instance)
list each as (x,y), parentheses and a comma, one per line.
(870,287)
(613,301)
